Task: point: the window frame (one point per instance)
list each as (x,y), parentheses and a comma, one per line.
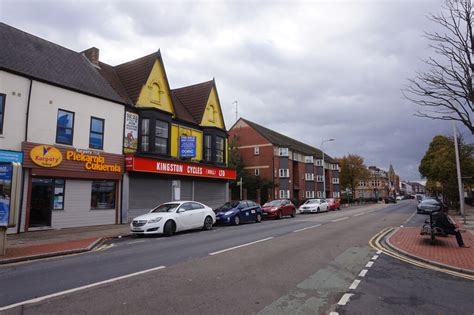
(72,128)
(63,186)
(257,172)
(319,178)
(309,176)
(155,137)
(207,149)
(283,152)
(309,159)
(2,111)
(219,150)
(97,133)
(114,194)
(256,151)
(283,173)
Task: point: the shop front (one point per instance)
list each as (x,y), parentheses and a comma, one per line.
(70,187)
(149,182)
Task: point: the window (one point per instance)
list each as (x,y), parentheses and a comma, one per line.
(96,136)
(335,194)
(309,176)
(335,180)
(308,159)
(212,113)
(319,178)
(145,135)
(320,194)
(65,127)
(208,148)
(257,171)
(186,206)
(283,151)
(58,194)
(284,172)
(2,111)
(319,162)
(220,144)
(256,150)
(284,194)
(103,195)
(309,194)
(161,137)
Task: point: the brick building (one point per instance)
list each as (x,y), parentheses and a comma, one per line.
(296,169)
(376,186)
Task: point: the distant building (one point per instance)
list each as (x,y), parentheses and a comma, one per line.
(418,188)
(377,186)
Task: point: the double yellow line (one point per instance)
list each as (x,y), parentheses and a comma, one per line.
(375,242)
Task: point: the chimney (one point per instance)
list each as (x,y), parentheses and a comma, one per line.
(92,54)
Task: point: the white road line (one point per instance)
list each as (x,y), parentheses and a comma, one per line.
(408,220)
(363,273)
(345,298)
(306,228)
(354,285)
(135,242)
(356,215)
(375,257)
(369,264)
(379,252)
(239,246)
(92,285)
(340,219)
(334,313)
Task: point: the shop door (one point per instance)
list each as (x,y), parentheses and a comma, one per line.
(41,202)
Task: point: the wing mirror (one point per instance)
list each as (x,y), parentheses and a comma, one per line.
(181,211)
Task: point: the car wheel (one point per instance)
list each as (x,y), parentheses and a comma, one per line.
(169,228)
(207,224)
(293,214)
(317,211)
(236,220)
(339,208)
(259,218)
(279,215)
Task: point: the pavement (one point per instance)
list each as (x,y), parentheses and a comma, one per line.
(50,243)
(444,251)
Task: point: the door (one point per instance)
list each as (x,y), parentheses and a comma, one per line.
(244,211)
(185,216)
(286,207)
(324,205)
(199,214)
(41,202)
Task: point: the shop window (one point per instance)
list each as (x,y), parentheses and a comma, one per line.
(58,194)
(96,137)
(2,111)
(65,127)
(220,145)
(145,135)
(103,195)
(161,137)
(208,148)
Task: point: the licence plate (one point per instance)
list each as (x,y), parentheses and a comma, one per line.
(137,230)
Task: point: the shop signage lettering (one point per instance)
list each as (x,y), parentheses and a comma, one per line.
(46,156)
(92,162)
(140,164)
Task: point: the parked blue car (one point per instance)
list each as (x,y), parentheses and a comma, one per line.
(236,212)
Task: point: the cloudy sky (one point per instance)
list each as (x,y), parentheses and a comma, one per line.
(312,70)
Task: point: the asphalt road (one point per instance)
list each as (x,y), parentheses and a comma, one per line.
(302,265)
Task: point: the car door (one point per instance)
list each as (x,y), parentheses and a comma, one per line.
(244,211)
(199,214)
(287,208)
(324,205)
(253,210)
(184,216)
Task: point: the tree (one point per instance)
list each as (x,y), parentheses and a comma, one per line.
(352,172)
(438,166)
(445,91)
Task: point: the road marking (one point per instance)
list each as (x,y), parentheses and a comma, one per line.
(92,285)
(408,220)
(344,299)
(356,215)
(334,313)
(340,219)
(354,285)
(135,242)
(379,252)
(369,264)
(375,257)
(306,228)
(239,246)
(363,273)
(104,247)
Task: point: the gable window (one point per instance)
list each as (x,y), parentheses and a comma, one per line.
(283,151)
(145,135)
(220,144)
(96,136)
(65,127)
(257,172)
(256,150)
(208,148)
(2,111)
(161,137)
(211,113)
(155,93)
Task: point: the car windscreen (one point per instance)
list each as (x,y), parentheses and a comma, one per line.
(167,207)
(330,200)
(430,201)
(229,205)
(273,203)
(312,201)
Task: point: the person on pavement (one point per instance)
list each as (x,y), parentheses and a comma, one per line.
(443,221)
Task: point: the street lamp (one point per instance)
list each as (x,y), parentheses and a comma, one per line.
(324,172)
(236,109)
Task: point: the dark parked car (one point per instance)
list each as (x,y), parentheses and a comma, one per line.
(429,205)
(390,199)
(236,212)
(278,209)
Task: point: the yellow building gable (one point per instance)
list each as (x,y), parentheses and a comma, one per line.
(213,115)
(156,92)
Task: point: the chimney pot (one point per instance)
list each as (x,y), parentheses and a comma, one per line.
(92,54)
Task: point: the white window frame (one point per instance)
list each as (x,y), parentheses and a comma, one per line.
(335,180)
(283,152)
(308,159)
(319,162)
(309,194)
(257,172)
(336,194)
(320,194)
(319,178)
(284,173)
(256,151)
(284,194)
(309,176)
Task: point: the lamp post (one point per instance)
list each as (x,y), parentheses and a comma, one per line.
(324,172)
(236,109)
(458,172)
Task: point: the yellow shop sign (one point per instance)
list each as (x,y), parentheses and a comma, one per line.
(92,162)
(46,156)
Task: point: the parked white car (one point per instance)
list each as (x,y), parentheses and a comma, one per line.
(314,205)
(172,217)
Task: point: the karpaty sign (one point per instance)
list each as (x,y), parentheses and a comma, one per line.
(46,156)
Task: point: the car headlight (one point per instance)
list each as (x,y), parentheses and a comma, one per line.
(274,209)
(229,212)
(154,220)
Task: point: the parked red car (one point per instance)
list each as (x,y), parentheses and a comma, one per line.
(334,204)
(278,209)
